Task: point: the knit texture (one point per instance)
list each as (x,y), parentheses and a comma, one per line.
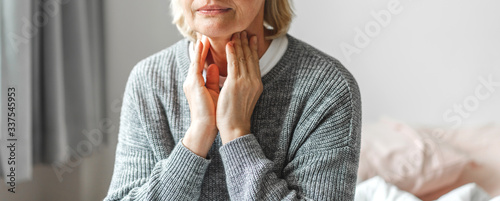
(304,141)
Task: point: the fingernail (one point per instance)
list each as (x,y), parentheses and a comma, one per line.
(204,39)
(255,40)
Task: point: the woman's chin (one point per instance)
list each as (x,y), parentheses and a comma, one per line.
(216,34)
(217,29)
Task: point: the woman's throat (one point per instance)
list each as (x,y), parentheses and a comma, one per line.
(220,61)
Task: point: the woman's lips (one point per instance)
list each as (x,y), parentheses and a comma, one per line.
(212,10)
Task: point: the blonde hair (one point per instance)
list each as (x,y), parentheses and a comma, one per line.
(277,18)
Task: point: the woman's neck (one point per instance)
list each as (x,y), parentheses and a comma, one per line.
(217,53)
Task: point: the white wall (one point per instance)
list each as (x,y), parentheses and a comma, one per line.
(427,58)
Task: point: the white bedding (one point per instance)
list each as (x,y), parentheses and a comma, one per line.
(376,189)
(408,162)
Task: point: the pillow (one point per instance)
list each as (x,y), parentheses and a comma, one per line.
(415,162)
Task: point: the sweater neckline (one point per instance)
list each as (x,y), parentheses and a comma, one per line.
(285,60)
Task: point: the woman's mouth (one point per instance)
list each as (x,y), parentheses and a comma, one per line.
(212,10)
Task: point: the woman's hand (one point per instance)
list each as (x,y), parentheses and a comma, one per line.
(202,99)
(242,88)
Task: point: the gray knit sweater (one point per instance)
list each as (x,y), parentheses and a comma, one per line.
(304,141)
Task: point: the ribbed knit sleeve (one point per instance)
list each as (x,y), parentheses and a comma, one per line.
(325,164)
(138,173)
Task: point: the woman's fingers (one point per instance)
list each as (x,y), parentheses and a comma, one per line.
(252,64)
(240,55)
(204,52)
(201,51)
(192,67)
(255,55)
(232,63)
(197,58)
(213,78)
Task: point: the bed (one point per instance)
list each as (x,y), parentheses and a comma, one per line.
(399,161)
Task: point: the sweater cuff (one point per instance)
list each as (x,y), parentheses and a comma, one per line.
(241,152)
(186,166)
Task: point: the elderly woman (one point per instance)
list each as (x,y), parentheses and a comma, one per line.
(239,110)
